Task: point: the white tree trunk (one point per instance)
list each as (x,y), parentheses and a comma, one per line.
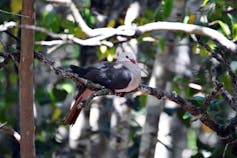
(119,137)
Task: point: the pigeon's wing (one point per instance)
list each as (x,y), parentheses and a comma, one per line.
(112,75)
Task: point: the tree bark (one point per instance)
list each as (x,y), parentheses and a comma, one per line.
(119,138)
(27,145)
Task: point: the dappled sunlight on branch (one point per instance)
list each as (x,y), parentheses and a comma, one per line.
(224,132)
(130,32)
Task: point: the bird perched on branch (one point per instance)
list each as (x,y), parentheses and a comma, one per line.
(123,75)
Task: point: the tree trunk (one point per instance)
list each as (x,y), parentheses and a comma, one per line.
(160,78)
(27,130)
(119,137)
(100,115)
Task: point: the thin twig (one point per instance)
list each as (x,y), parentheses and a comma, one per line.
(228,97)
(222,60)
(166,146)
(224,151)
(10,13)
(208,99)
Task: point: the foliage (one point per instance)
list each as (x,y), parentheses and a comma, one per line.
(51,92)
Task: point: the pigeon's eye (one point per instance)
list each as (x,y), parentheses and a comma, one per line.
(126,56)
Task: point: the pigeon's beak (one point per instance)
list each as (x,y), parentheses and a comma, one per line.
(133,61)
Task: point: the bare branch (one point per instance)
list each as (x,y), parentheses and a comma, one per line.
(156,92)
(169,26)
(222,131)
(191,29)
(7,25)
(68,38)
(11,13)
(6,58)
(11,131)
(232,101)
(51,43)
(67,74)
(101,92)
(208,99)
(166,146)
(129,31)
(222,60)
(60,2)
(79,20)
(101,34)
(5,61)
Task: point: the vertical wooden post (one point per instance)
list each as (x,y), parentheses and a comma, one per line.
(27,128)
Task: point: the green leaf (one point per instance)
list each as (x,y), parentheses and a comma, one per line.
(68,87)
(187,115)
(68,26)
(204,3)
(162,44)
(225,78)
(180,113)
(191,139)
(224,27)
(168,5)
(217,102)
(58,95)
(51,21)
(140,102)
(41,136)
(89,18)
(57,112)
(143,100)
(79,33)
(186,19)
(198,100)
(235,31)
(16,6)
(13,78)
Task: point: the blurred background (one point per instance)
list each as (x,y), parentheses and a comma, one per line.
(122,127)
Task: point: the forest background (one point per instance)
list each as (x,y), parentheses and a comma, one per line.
(185,107)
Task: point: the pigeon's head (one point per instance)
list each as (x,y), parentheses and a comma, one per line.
(126,56)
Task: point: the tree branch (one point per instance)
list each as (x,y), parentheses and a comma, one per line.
(222,60)
(208,99)
(222,131)
(190,29)
(131,32)
(228,97)
(11,131)
(168,26)
(7,25)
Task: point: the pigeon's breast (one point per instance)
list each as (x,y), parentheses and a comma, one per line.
(135,77)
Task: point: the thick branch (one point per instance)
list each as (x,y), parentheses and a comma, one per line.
(129,31)
(169,26)
(7,25)
(11,131)
(191,29)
